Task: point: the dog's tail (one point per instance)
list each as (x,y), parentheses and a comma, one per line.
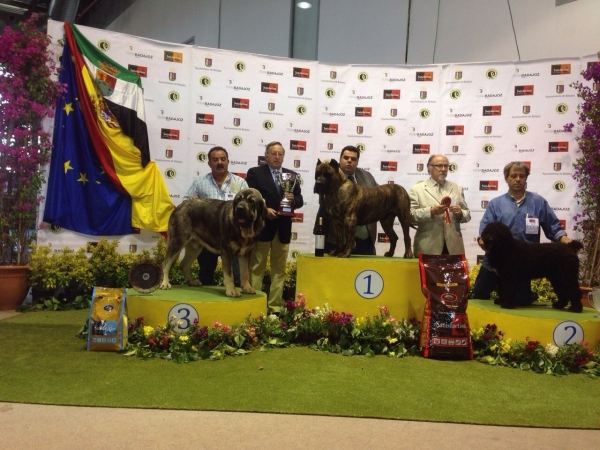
(575,246)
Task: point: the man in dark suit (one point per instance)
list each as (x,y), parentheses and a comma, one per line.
(366,235)
(276,235)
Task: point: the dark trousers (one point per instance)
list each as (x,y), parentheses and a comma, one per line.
(487,281)
(208,264)
(361,247)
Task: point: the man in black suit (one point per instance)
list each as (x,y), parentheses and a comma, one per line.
(366,235)
(276,235)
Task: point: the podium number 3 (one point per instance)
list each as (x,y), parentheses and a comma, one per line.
(182,315)
(368,284)
(567,332)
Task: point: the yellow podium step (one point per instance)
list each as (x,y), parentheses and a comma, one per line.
(184,304)
(537,323)
(360,284)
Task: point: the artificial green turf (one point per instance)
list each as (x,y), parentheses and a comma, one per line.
(41,361)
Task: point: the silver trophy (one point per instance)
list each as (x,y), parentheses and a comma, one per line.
(287,181)
(594,298)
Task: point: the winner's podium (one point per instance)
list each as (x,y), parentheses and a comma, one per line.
(359,284)
(188,303)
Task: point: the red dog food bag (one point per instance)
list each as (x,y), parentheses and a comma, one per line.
(445,332)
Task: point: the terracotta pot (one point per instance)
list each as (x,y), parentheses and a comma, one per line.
(584,296)
(13,286)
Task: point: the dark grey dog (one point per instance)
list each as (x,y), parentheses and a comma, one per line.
(227,228)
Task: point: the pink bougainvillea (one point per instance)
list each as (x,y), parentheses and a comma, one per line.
(27,96)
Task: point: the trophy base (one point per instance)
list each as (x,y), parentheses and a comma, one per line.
(283,211)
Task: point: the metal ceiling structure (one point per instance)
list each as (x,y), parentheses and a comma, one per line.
(94,13)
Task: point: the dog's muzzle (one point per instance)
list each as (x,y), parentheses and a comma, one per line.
(319,188)
(242,216)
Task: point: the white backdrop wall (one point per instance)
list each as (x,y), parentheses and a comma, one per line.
(480,115)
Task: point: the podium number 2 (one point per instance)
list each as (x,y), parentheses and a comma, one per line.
(182,315)
(567,332)
(368,284)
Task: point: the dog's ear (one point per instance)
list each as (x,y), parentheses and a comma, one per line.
(318,162)
(333,163)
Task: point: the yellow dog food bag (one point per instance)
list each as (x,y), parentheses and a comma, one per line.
(107,320)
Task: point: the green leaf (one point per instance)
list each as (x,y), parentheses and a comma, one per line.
(525,366)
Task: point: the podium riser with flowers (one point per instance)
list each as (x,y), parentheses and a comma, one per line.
(185,304)
(359,284)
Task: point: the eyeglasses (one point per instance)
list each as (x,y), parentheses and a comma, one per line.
(440,166)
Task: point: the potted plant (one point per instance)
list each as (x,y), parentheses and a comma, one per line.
(27,97)
(586,171)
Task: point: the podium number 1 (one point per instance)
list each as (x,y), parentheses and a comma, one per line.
(368,284)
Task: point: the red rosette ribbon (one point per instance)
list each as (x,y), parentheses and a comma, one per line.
(447,201)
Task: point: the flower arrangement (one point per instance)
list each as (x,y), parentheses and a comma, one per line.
(331,331)
(489,346)
(587,172)
(27,97)
(318,328)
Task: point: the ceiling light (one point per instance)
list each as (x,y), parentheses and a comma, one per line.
(303,5)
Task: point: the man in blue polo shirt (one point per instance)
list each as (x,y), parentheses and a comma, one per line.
(525,213)
(221,185)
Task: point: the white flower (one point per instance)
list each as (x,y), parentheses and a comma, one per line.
(551,349)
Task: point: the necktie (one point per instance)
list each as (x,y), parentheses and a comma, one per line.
(277,183)
(351,178)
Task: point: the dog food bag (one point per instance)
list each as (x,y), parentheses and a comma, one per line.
(445,332)
(107,320)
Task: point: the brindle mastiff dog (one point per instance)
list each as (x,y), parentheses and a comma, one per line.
(349,205)
(227,228)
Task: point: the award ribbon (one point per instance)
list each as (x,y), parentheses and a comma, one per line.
(447,201)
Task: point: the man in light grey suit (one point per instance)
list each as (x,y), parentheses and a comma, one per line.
(364,241)
(434,236)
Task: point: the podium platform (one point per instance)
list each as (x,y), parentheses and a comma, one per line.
(538,323)
(186,303)
(359,284)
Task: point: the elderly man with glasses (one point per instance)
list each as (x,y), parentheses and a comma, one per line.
(438,207)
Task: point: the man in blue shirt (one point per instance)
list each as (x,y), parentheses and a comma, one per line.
(221,185)
(524,213)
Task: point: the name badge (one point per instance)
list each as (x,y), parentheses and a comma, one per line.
(532,225)
(229,196)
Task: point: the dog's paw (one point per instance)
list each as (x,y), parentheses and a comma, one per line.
(557,305)
(388,254)
(409,255)
(507,306)
(576,308)
(232,293)
(344,255)
(194,283)
(248,290)
(165,286)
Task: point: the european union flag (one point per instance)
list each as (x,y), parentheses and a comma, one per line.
(80,196)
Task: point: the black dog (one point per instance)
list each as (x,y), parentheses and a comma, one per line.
(513,259)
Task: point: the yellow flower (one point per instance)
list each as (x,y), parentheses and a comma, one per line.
(391,340)
(148,330)
(359,321)
(494,347)
(184,338)
(392,353)
(505,346)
